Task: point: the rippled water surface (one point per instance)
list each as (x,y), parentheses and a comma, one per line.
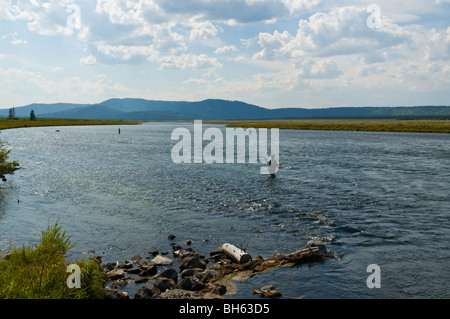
(373,198)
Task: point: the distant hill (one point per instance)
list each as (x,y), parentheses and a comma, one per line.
(24,111)
(91,112)
(214,109)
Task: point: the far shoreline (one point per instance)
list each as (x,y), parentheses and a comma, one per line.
(372,125)
(49,122)
(367,125)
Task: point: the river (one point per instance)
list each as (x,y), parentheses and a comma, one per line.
(372,197)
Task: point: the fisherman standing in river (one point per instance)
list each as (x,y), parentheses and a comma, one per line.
(273,165)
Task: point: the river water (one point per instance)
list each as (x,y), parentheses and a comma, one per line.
(371,197)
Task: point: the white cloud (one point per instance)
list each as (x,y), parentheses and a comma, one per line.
(250,47)
(203,31)
(88,60)
(225,49)
(189,61)
(39,86)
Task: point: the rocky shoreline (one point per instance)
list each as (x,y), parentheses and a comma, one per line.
(195,276)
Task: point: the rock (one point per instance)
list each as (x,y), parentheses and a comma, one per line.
(216,251)
(136,258)
(162,261)
(210,295)
(268,292)
(188,242)
(153,253)
(190,272)
(177,294)
(183,252)
(116,294)
(191,283)
(119,283)
(163,284)
(169,273)
(164,252)
(115,274)
(176,247)
(206,275)
(146,292)
(148,271)
(110,266)
(135,271)
(96,258)
(216,289)
(126,265)
(317,243)
(145,263)
(170,237)
(141,280)
(193,261)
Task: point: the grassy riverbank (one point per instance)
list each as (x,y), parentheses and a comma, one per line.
(388,125)
(25,122)
(40,272)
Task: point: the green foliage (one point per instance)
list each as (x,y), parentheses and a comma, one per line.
(11,114)
(40,272)
(424,126)
(6,167)
(25,122)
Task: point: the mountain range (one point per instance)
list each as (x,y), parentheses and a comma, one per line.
(213,109)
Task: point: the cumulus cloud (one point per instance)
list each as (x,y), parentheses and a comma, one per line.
(88,60)
(225,49)
(342,31)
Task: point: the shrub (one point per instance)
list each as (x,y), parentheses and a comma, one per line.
(40,272)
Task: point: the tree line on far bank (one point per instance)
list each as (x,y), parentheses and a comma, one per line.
(12,115)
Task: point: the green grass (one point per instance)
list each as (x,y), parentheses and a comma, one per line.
(428,126)
(25,122)
(40,272)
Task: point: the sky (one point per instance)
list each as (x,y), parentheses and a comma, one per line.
(272,53)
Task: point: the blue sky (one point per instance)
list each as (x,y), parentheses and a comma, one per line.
(273,53)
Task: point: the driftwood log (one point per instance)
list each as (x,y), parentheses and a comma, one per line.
(260,264)
(236,254)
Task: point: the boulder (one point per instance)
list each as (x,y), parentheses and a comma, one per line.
(144,263)
(190,272)
(207,275)
(146,292)
(115,274)
(177,294)
(191,283)
(193,261)
(216,289)
(136,258)
(148,271)
(126,265)
(116,294)
(163,284)
(183,252)
(109,266)
(162,261)
(169,273)
(319,244)
(268,292)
